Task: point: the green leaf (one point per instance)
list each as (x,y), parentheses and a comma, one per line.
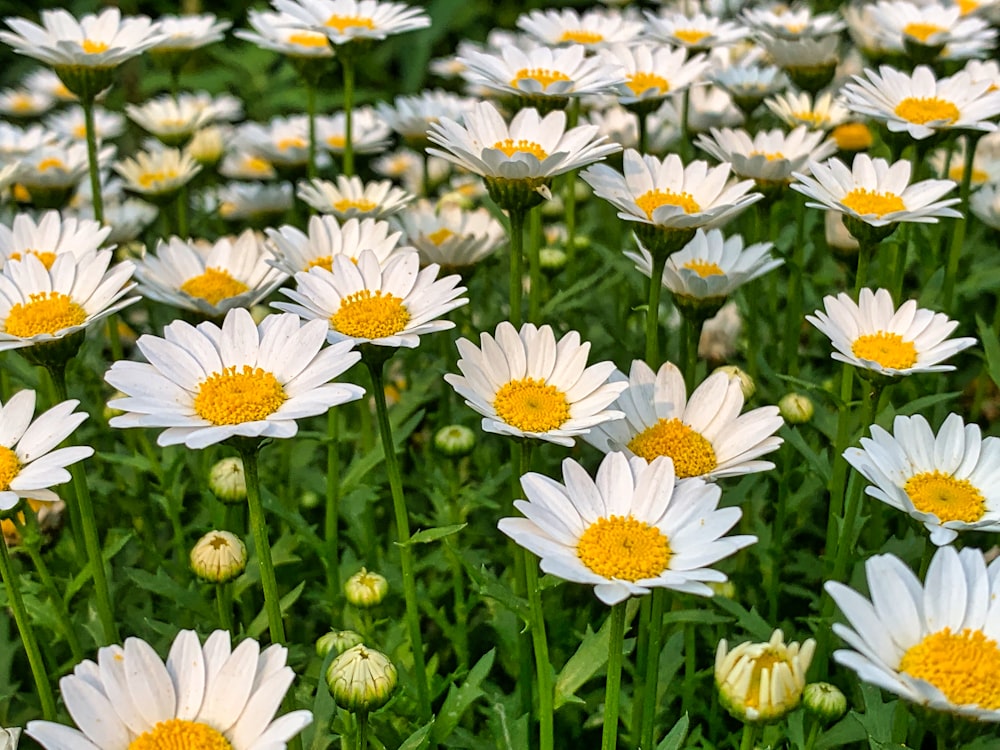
(163,584)
(110,550)
(751,621)
(433,535)
(259,624)
(992,348)
(675,738)
(590,657)
(419,739)
(460,698)
(819,462)
(488,586)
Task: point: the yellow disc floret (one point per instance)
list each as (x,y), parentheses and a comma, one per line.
(963,666)
(922,31)
(308,39)
(10,467)
(652,200)
(44,312)
(342,23)
(624,548)
(924,109)
(47,257)
(213,286)
(543,76)
(889,350)
(948,498)
(360,204)
(531,405)
(179,734)
(691,36)
(642,82)
(440,236)
(235,396)
(704,268)
(365,315)
(692,454)
(510,147)
(93,48)
(581,36)
(869,203)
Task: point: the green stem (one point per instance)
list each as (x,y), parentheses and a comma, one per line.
(814,731)
(311,115)
(348,66)
(651,682)
(534,266)
(865,252)
(361,738)
(403,533)
(258,526)
(690,334)
(224,600)
(958,232)
(516,260)
(543,666)
(653,311)
(38,671)
(95,170)
(331,519)
(793,308)
(749,739)
(641,652)
(690,668)
(612,691)
(779,545)
(643,131)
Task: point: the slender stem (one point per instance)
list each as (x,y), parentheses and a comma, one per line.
(361,738)
(534,266)
(569,190)
(653,311)
(258,527)
(685,144)
(814,731)
(331,520)
(516,260)
(403,532)
(95,170)
(690,668)
(612,697)
(38,671)
(224,600)
(641,652)
(642,117)
(749,739)
(793,307)
(865,251)
(651,685)
(690,334)
(348,66)
(778,547)
(958,231)
(543,666)
(311,115)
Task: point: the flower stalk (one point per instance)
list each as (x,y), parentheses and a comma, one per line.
(612,691)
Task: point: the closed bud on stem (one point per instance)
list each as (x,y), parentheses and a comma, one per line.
(824,701)
(361,679)
(227,480)
(365,589)
(337,640)
(454,440)
(218,557)
(796,408)
(746,382)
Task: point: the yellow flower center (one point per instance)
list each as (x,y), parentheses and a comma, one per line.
(692,454)
(652,200)
(294,142)
(179,734)
(887,349)
(45,312)
(511,147)
(237,396)
(808,117)
(967,6)
(258,165)
(794,28)
(963,666)
(704,268)
(690,36)
(440,235)
(10,466)
(21,103)
(544,76)
(341,23)
(867,202)
(93,48)
(957,172)
(307,39)
(947,498)
(640,82)
(213,286)
(80,131)
(923,109)
(370,316)
(769,156)
(46,257)
(768,660)
(852,136)
(153,179)
(582,36)
(51,163)
(624,548)
(922,31)
(325,261)
(531,405)
(346,204)
(336,141)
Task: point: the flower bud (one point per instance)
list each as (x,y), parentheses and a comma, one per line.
(9,738)
(552,259)
(361,679)
(796,408)
(219,556)
(227,480)
(824,701)
(364,589)
(207,145)
(337,640)
(455,440)
(746,382)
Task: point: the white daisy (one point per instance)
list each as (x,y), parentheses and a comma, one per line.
(16,142)
(406,167)
(189,32)
(594,28)
(346,21)
(39,305)
(451,236)
(369,132)
(700,32)
(351,198)
(28,463)
(23,102)
(206,696)
(208,384)
(628,530)
(526,384)
(327,238)
(126,218)
(900,25)
(157,175)
(69,124)
(57,167)
(705,436)
(950,482)
(282,33)
(750,84)
(825,113)
(369,303)
(45,80)
(208,278)
(411,116)
(283,142)
(770,156)
(792,23)
(255,202)
(873,335)
(811,60)
(244,164)
(932,643)
(652,72)
(985,205)
(51,236)
(172,120)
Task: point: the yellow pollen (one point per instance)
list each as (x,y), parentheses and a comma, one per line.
(769,156)
(47,257)
(922,31)
(692,454)
(45,312)
(341,23)
(294,142)
(581,36)
(213,286)
(10,466)
(235,397)
(256,164)
(947,498)
(153,179)
(794,28)
(307,39)
(511,147)
(93,48)
(531,405)
(640,82)
(336,141)
(346,204)
(21,102)
(704,268)
(324,262)
(624,548)
(768,660)
(967,6)
(440,235)
(924,109)
(852,136)
(20,193)
(652,200)
(963,666)
(80,131)
(544,76)
(867,202)
(179,734)
(957,172)
(51,163)
(887,349)
(690,36)
(809,117)
(370,316)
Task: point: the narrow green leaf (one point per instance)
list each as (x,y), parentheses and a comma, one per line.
(675,738)
(259,624)
(460,698)
(433,535)
(419,739)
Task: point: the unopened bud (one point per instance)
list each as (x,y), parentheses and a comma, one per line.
(796,408)
(552,259)
(824,701)
(219,556)
(361,679)
(337,640)
(364,589)
(227,480)
(746,382)
(455,440)
(9,738)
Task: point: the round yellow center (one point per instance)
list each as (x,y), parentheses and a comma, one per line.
(80,131)
(922,31)
(237,396)
(336,141)
(346,204)
(967,6)
(21,103)
(45,312)
(947,498)
(47,257)
(370,316)
(307,39)
(887,349)
(957,172)
(867,202)
(325,261)
(257,165)
(624,548)
(690,36)
(963,666)
(544,76)
(213,286)
(767,660)
(153,179)
(93,48)
(704,268)
(511,147)
(808,117)
(440,235)
(925,109)
(341,23)
(640,82)
(852,136)
(692,454)
(581,36)
(531,405)
(10,466)
(294,142)
(652,200)
(770,156)
(51,163)
(179,734)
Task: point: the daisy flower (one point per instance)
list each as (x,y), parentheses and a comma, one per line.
(210,695)
(985,205)
(652,72)
(282,33)
(366,302)
(188,32)
(451,236)
(23,102)
(792,23)
(770,156)
(922,105)
(901,25)
(157,175)
(705,436)
(126,218)
(411,116)
(45,80)
(628,530)
(243,164)
(932,643)
(208,278)
(295,251)
(794,109)
(810,62)
(351,198)
(948,482)
(873,335)
(283,142)
(39,305)
(51,236)
(369,133)
(51,171)
(172,120)
(591,29)
(16,142)
(526,384)
(208,384)
(255,202)
(699,33)
(28,463)
(69,124)
(346,21)
(750,84)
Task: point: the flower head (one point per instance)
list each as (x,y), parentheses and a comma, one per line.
(594,28)
(157,175)
(770,156)
(189,32)
(700,32)
(327,238)
(218,557)
(653,72)
(347,21)
(451,236)
(172,120)
(350,198)
(822,113)
(369,132)
(283,33)
(51,236)
(361,679)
